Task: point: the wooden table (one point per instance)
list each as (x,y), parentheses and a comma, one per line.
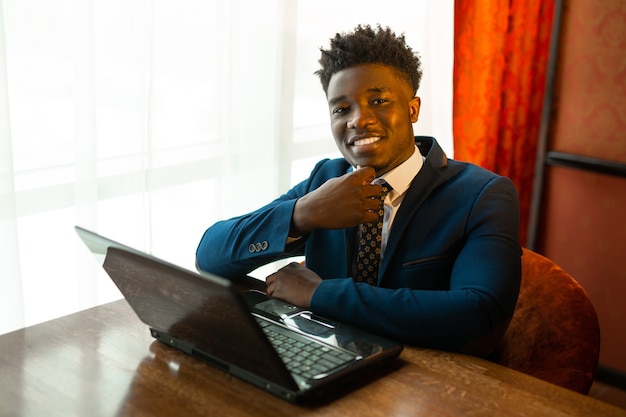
(103,362)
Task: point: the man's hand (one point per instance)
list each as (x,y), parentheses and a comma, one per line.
(339,203)
(293,283)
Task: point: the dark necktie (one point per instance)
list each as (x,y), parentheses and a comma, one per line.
(368,255)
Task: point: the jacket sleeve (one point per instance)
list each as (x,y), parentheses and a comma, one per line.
(232,248)
(472,314)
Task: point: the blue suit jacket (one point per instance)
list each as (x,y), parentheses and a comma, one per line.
(451,271)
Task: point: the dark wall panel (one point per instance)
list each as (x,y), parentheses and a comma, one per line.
(584,231)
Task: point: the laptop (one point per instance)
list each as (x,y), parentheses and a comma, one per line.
(278,347)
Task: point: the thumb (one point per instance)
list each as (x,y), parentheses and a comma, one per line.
(365,174)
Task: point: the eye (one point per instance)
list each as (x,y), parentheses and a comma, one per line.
(380,101)
(339,110)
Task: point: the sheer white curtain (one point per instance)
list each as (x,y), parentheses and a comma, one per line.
(149,120)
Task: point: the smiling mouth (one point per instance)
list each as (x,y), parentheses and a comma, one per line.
(366,141)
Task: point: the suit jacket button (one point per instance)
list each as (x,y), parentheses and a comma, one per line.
(264,245)
(252,248)
(258,247)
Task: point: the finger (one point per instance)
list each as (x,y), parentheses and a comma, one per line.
(365,174)
(371,192)
(369,196)
(371,204)
(272,286)
(369,217)
(295,266)
(270,282)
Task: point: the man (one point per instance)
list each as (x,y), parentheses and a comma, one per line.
(449,262)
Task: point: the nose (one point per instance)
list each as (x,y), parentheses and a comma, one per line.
(361,117)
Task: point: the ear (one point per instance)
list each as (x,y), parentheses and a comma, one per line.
(414,108)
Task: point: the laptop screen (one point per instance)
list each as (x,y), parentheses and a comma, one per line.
(203,312)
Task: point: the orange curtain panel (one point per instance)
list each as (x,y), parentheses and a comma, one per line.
(500,57)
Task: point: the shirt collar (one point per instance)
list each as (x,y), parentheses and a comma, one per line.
(400,177)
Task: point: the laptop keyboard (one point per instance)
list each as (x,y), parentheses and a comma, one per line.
(302,356)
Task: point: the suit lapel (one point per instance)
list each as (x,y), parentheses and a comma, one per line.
(351,248)
(429,178)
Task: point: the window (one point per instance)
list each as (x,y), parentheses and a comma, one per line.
(148,121)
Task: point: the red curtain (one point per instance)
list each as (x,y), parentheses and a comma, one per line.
(500,58)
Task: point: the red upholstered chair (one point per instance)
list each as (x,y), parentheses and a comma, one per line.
(554,334)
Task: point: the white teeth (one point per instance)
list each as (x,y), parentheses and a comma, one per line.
(365,141)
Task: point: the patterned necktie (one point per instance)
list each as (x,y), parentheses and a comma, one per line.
(368,256)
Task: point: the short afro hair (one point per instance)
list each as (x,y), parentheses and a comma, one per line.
(366,45)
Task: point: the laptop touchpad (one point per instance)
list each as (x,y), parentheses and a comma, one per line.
(307,323)
(277,308)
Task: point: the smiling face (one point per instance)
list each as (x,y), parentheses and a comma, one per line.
(372,111)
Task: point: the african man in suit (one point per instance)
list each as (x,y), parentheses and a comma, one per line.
(448,266)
